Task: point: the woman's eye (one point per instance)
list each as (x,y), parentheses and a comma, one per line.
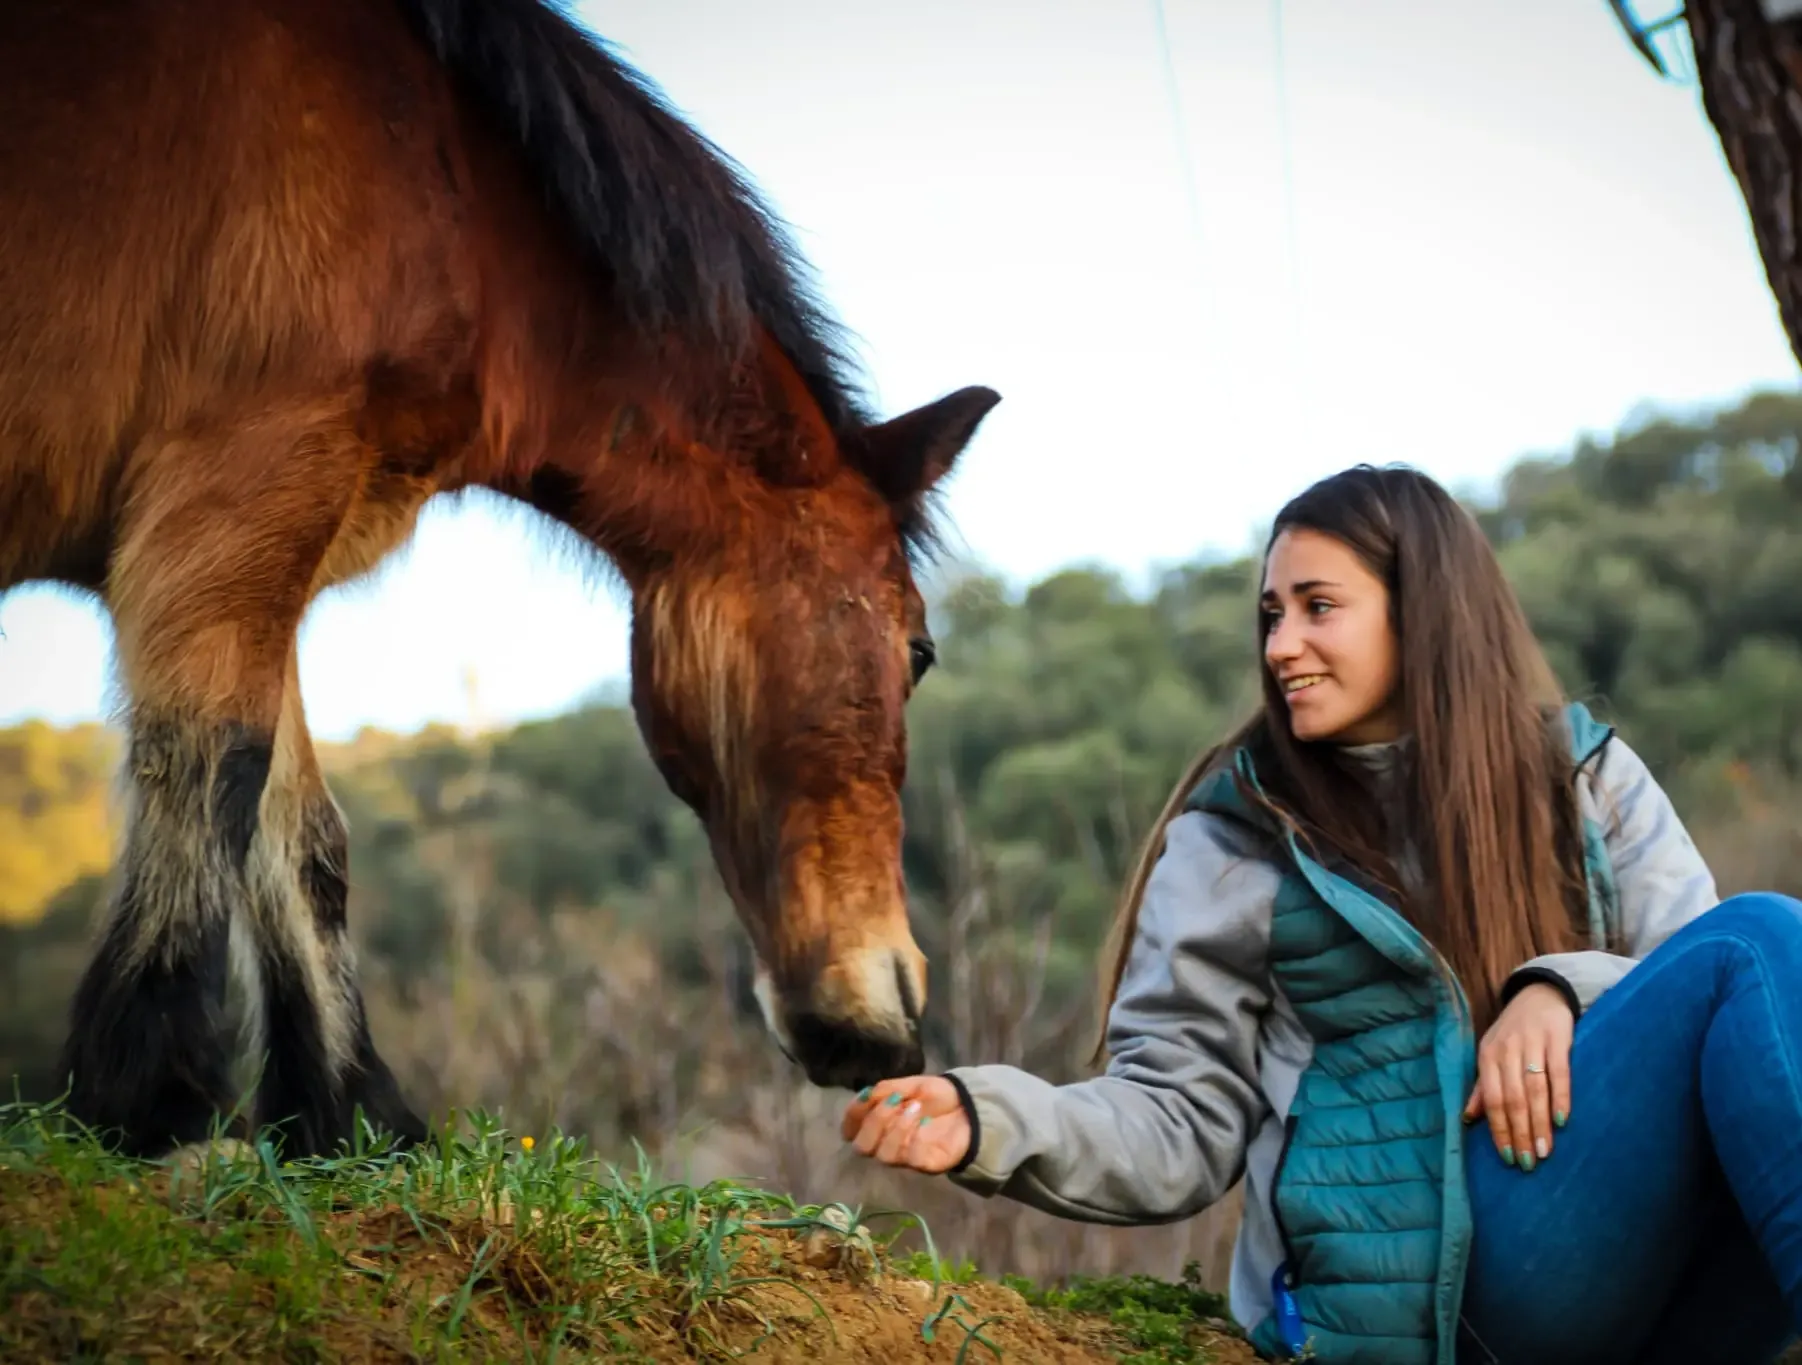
(1320,606)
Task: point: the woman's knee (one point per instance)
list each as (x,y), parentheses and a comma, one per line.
(1757,915)
(1761,911)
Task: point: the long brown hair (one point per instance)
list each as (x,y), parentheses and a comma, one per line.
(1489,789)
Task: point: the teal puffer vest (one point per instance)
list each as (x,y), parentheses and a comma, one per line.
(1369,1192)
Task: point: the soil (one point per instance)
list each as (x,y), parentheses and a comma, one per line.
(386,1295)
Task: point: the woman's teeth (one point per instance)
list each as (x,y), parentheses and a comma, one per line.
(1306,680)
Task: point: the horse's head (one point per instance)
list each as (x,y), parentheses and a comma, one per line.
(771,667)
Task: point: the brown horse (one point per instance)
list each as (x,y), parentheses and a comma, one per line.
(275,272)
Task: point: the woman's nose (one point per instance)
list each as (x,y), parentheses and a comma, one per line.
(1283,641)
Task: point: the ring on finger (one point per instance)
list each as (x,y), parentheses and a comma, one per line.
(1535,1068)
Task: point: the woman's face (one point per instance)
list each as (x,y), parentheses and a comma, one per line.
(1328,641)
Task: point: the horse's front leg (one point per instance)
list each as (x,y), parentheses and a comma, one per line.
(319,1065)
(216,552)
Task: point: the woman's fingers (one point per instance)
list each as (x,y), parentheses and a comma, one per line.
(1549,1089)
(1473,1107)
(898,1136)
(1495,1101)
(1520,1114)
(1557,1070)
(1538,1087)
(889,1122)
(883,1097)
(1524,1077)
(878,1121)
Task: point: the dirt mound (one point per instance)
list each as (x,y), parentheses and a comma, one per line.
(882,1321)
(823,1300)
(135,1270)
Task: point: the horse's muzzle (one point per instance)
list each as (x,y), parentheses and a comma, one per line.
(834,1053)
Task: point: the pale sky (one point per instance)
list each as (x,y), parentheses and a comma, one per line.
(1507,231)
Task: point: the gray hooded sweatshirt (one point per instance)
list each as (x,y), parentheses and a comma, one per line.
(1205,1054)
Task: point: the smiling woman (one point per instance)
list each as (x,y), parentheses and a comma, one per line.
(1416,891)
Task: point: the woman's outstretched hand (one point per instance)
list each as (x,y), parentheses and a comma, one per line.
(917,1122)
(1524,1105)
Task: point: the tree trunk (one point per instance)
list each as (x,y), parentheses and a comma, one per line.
(1750,69)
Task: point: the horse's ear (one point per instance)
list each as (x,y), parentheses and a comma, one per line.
(907,455)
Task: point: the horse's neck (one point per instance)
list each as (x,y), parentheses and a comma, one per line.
(625,468)
(632,446)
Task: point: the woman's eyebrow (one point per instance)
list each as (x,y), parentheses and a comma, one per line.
(1303,585)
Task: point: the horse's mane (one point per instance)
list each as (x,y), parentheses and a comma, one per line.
(688,243)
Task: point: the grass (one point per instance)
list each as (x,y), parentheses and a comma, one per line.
(484,1245)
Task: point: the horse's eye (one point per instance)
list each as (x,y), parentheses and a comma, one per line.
(923,655)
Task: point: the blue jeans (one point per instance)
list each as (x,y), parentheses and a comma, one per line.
(1666,1225)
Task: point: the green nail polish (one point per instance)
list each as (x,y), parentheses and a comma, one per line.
(1526,1161)
(1559,1118)
(864,1094)
(894,1099)
(1507,1156)
(926,1120)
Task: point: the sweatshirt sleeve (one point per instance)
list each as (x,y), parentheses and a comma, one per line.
(1162,1133)
(1661,879)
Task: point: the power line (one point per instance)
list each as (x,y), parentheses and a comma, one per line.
(1179,127)
(1286,167)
